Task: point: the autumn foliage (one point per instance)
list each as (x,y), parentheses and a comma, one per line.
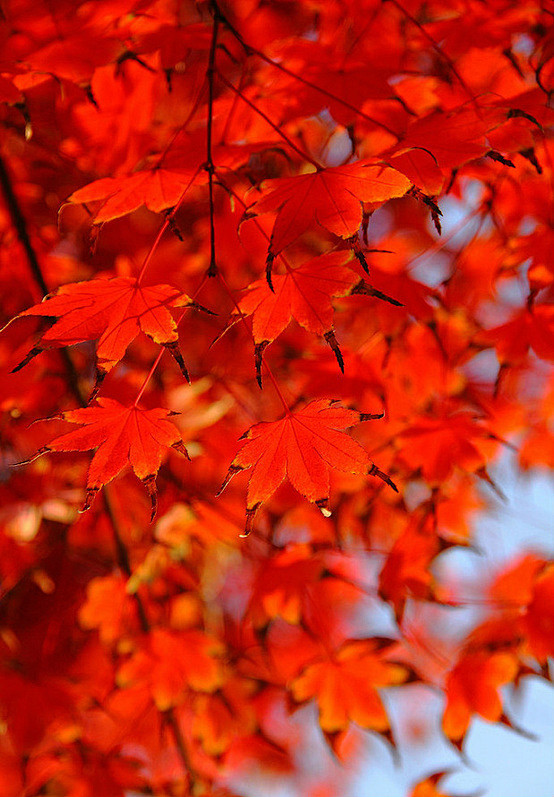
(289,264)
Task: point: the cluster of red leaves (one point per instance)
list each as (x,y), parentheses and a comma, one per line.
(284,166)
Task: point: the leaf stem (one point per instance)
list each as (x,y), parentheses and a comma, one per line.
(276,386)
(173,724)
(233,108)
(255,220)
(163,228)
(162,350)
(151,371)
(267,368)
(20,224)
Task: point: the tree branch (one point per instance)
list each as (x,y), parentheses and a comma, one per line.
(20,224)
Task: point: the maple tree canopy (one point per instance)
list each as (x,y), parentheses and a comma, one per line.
(336,216)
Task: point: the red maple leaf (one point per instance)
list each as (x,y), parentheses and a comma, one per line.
(438,445)
(406,571)
(472,688)
(302,446)
(330,197)
(113,311)
(157,188)
(345,686)
(303,293)
(527,329)
(122,435)
(171,662)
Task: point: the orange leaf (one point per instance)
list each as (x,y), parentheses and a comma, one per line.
(513,587)
(122,435)
(113,311)
(303,293)
(539,618)
(281,584)
(438,445)
(330,197)
(345,687)
(429,787)
(406,572)
(526,330)
(303,447)
(171,663)
(472,688)
(225,716)
(156,188)
(108,607)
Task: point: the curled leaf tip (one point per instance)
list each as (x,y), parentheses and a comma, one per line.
(323,505)
(258,359)
(268,268)
(89,498)
(197,306)
(150,484)
(38,454)
(180,447)
(367,416)
(374,471)
(100,376)
(331,339)
(249,522)
(173,349)
(233,470)
(27,359)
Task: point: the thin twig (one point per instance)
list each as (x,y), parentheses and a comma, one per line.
(292,145)
(20,224)
(122,556)
(259,54)
(209,166)
(440,52)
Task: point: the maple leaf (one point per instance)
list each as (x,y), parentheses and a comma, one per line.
(108,607)
(453,138)
(303,293)
(159,187)
(430,786)
(223,717)
(74,57)
(345,686)
(171,662)
(330,197)
(438,445)
(112,311)
(419,166)
(156,188)
(302,446)
(406,572)
(527,329)
(280,585)
(539,618)
(514,584)
(472,688)
(176,663)
(121,435)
